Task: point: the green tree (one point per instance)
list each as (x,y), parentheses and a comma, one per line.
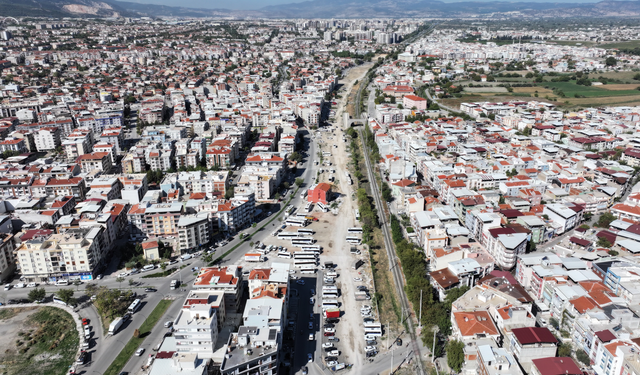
(604,242)
(36,294)
(299,181)
(611,61)
(564,350)
(131,283)
(66,295)
(613,253)
(605,219)
(455,355)
(583,357)
(120,280)
(554,323)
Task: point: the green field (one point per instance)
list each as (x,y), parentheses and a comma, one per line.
(626,44)
(572,43)
(570,89)
(135,342)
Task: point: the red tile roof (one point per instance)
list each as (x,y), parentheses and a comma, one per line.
(534,335)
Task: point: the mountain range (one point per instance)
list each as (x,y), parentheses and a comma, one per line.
(325,9)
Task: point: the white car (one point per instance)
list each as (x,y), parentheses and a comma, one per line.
(20,285)
(139,352)
(330,330)
(309,357)
(327,345)
(370,348)
(32,285)
(357,279)
(332,363)
(7,286)
(311,337)
(333,353)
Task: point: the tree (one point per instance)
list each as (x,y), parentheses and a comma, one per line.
(299,181)
(136,333)
(455,355)
(564,350)
(66,295)
(583,357)
(295,156)
(611,61)
(554,323)
(605,219)
(131,283)
(36,294)
(604,242)
(163,266)
(613,253)
(77,283)
(120,280)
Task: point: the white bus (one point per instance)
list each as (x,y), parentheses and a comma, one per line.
(357,214)
(306,231)
(330,304)
(353,230)
(303,253)
(308,268)
(289,210)
(329,295)
(373,331)
(309,207)
(354,240)
(287,235)
(303,195)
(284,254)
(296,222)
(330,288)
(308,257)
(314,248)
(323,207)
(308,271)
(304,262)
(134,306)
(298,242)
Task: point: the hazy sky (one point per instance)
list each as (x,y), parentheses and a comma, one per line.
(257,4)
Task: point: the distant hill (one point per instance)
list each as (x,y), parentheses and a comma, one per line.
(324,9)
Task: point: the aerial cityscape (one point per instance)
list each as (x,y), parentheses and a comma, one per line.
(238,193)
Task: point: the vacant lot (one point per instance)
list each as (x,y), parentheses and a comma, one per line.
(37,340)
(625,44)
(532,90)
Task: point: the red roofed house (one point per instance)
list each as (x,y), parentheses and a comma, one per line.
(410,101)
(555,366)
(95,160)
(320,193)
(610,357)
(631,156)
(531,343)
(472,325)
(151,250)
(13,144)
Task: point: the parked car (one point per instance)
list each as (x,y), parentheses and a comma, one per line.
(168,324)
(150,290)
(309,357)
(82,358)
(310,325)
(85,321)
(139,351)
(327,345)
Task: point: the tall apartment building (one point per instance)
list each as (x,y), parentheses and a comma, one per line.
(73,255)
(48,138)
(162,219)
(193,231)
(227,280)
(7,260)
(504,245)
(198,323)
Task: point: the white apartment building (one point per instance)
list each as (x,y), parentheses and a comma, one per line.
(72,255)
(47,139)
(197,325)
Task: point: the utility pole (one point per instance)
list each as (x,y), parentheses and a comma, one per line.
(433,352)
(420,316)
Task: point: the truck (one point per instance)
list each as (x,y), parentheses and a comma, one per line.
(174,284)
(358,264)
(115,325)
(253,257)
(332,313)
(338,367)
(362,296)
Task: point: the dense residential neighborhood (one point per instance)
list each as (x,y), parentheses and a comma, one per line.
(317,196)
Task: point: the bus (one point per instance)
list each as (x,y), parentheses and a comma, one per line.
(134,306)
(303,195)
(354,240)
(357,214)
(287,235)
(330,304)
(302,253)
(302,257)
(373,329)
(306,231)
(315,248)
(354,230)
(309,207)
(298,242)
(295,222)
(323,207)
(308,267)
(329,295)
(289,210)
(304,262)
(284,254)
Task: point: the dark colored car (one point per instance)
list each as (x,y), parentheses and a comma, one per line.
(399,342)
(327,359)
(148,290)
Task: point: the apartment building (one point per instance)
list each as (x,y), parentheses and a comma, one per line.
(198,323)
(7,257)
(162,219)
(504,245)
(73,255)
(48,138)
(100,161)
(194,231)
(227,280)
(54,187)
